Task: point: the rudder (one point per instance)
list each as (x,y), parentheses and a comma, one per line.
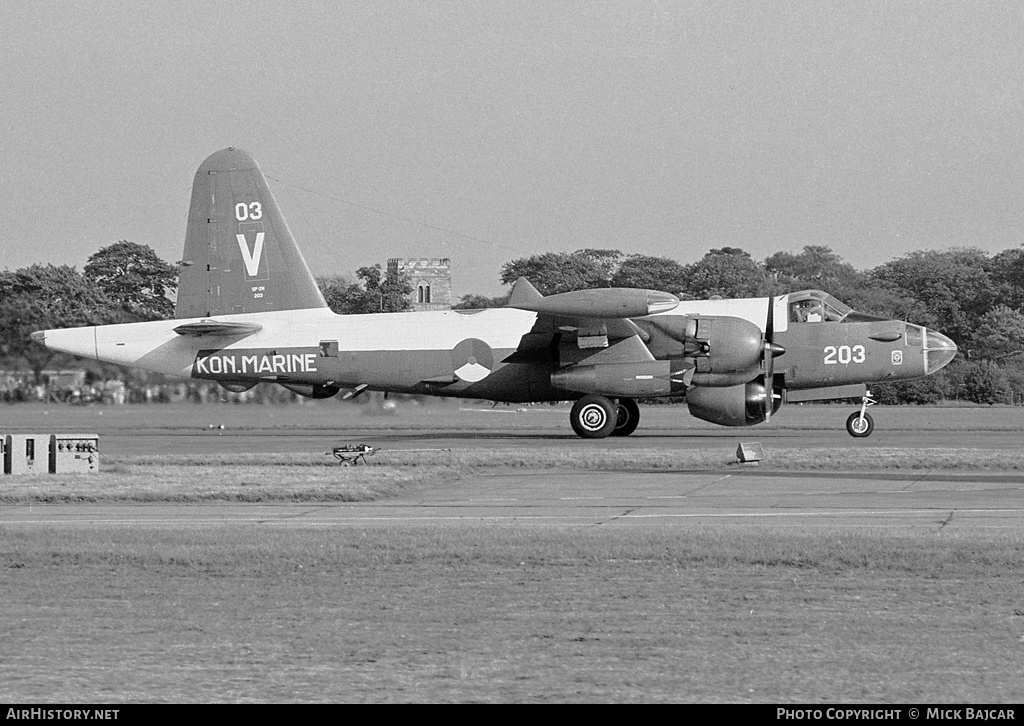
(240,256)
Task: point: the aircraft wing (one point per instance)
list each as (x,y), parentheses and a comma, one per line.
(598,319)
(587,336)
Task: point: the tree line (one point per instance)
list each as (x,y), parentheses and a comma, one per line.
(122,283)
(975,298)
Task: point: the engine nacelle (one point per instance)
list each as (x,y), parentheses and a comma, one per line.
(727,350)
(732,345)
(237,386)
(743,405)
(311,390)
(635,380)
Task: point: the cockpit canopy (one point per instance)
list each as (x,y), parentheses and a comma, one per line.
(815,306)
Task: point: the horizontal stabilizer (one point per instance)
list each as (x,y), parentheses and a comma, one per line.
(217,327)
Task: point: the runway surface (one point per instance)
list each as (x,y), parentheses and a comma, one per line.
(734,497)
(747,498)
(188,428)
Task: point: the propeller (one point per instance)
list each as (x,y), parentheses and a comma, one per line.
(771,351)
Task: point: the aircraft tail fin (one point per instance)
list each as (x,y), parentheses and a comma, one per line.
(240,256)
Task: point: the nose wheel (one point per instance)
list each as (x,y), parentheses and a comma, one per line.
(860,424)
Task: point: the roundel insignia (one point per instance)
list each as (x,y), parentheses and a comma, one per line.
(472,360)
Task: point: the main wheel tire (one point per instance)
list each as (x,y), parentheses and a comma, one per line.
(627,417)
(858,427)
(593,417)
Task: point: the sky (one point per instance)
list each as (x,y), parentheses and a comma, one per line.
(488,131)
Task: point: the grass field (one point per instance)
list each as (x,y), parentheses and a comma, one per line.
(509,615)
(117,613)
(305,478)
(485,614)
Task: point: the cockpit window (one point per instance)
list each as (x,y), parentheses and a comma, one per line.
(815,306)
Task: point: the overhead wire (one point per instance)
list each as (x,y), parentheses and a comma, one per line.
(399,217)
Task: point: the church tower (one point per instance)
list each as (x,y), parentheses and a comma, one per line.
(431,281)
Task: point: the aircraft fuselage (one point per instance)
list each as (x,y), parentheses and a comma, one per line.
(463,353)
(249,310)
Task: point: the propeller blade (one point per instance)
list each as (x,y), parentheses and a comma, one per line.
(768,360)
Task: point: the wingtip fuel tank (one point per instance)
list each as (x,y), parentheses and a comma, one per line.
(606,302)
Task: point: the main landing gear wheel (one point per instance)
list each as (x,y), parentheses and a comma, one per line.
(627,417)
(593,417)
(860,425)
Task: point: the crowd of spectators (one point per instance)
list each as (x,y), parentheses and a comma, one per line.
(76,387)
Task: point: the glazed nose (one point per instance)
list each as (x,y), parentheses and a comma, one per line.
(938,350)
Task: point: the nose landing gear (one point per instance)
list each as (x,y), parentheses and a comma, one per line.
(860,424)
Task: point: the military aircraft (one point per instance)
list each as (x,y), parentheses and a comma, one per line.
(249,310)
